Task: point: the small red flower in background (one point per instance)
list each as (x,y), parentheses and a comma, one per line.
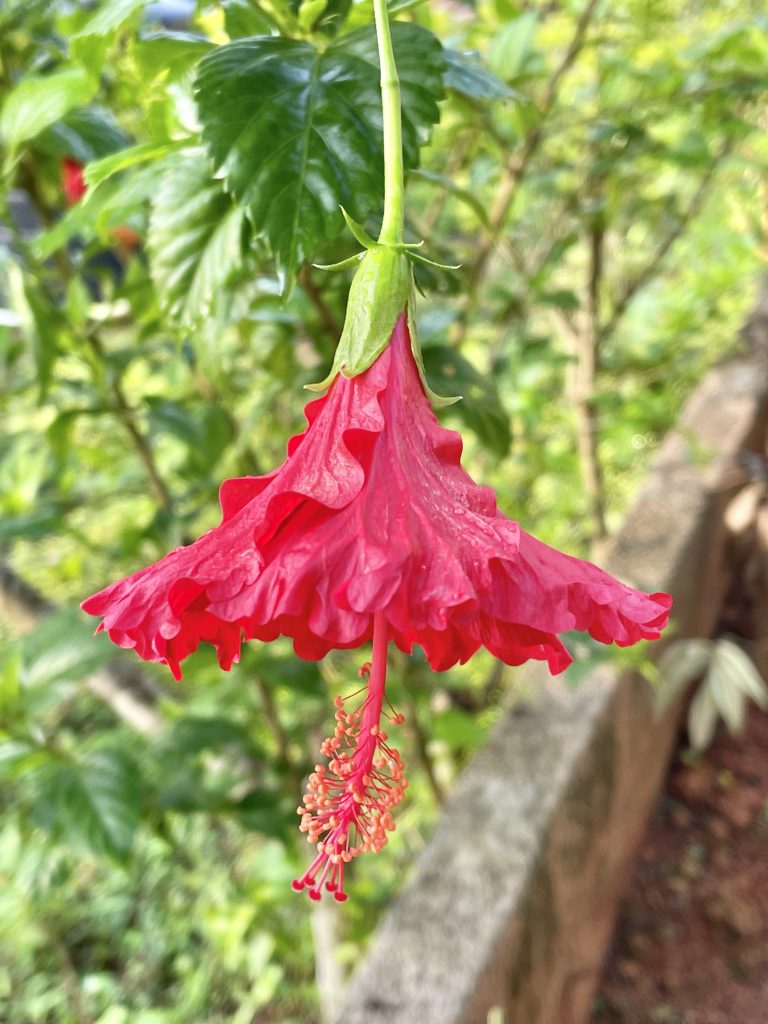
(74,188)
(72,180)
(370,530)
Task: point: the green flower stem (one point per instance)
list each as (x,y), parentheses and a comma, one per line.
(394,183)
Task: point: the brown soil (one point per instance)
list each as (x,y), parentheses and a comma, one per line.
(691,943)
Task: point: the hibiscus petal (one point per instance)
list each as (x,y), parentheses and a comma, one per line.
(371,512)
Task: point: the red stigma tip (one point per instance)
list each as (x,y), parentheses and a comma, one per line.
(314,894)
(298,885)
(340,897)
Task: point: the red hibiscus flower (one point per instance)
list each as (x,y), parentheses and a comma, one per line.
(72,180)
(370,530)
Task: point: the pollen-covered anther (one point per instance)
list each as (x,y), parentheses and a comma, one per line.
(348,804)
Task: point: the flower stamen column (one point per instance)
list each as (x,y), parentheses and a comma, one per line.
(348,804)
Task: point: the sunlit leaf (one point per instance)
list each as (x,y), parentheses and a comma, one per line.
(101,170)
(194,237)
(678,666)
(40,100)
(741,672)
(110,16)
(512,45)
(171,54)
(702,719)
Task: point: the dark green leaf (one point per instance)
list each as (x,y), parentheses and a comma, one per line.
(265,812)
(334,14)
(193,733)
(95,802)
(30,525)
(61,648)
(86,134)
(465,74)
(296,132)
(205,435)
(449,373)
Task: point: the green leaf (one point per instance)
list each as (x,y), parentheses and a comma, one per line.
(296,133)
(730,702)
(171,54)
(17,757)
(40,100)
(242,18)
(80,219)
(33,525)
(741,672)
(95,802)
(101,170)
(512,45)
(89,52)
(39,320)
(458,729)
(193,733)
(702,719)
(465,74)
(111,15)
(206,435)
(679,664)
(448,372)
(334,15)
(63,648)
(309,12)
(10,672)
(465,195)
(195,238)
(85,134)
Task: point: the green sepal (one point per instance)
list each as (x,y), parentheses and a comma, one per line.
(359,231)
(379,294)
(433,263)
(439,401)
(350,261)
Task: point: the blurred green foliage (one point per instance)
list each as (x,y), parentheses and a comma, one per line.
(599,169)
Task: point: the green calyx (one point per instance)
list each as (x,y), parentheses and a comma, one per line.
(381,291)
(379,294)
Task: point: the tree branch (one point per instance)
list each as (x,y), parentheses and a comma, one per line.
(653,266)
(587,352)
(130,694)
(123,410)
(325,315)
(518,164)
(141,445)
